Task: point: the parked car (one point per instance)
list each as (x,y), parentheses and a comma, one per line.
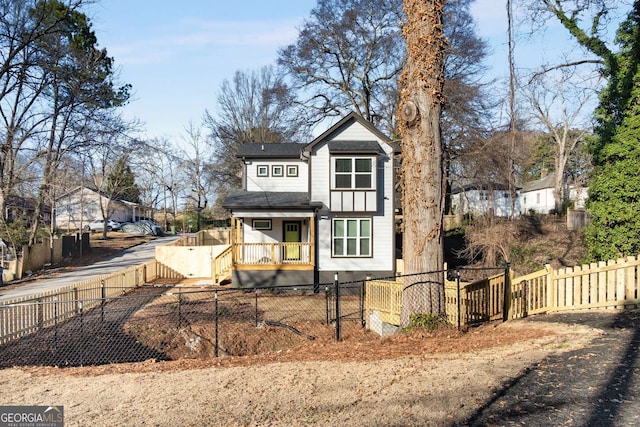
(98,225)
(144,227)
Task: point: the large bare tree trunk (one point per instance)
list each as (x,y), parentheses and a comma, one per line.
(422,158)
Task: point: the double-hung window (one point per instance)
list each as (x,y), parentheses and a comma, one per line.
(353,173)
(352,237)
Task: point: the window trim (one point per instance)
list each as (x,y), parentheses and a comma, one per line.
(274,168)
(263,167)
(353,173)
(357,238)
(267,226)
(292,170)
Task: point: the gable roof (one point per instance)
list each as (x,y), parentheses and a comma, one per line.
(96,192)
(346,121)
(539,184)
(257,150)
(481,187)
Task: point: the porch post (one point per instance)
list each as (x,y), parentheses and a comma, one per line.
(312,240)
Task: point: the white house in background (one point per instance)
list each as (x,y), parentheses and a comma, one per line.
(80,206)
(309,211)
(537,196)
(484,199)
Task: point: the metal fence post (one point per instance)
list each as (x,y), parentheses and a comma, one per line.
(337,287)
(326,304)
(216,317)
(81,334)
(458,297)
(103,296)
(256,306)
(362,296)
(179,308)
(40,314)
(506,304)
(55,322)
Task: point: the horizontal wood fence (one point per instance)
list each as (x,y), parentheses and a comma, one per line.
(614,284)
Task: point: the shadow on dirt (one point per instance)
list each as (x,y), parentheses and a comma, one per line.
(91,337)
(592,386)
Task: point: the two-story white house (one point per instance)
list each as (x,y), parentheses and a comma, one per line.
(308,211)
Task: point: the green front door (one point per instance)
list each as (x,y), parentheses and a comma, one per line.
(292,235)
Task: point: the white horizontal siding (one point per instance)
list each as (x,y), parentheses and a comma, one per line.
(383,245)
(276,233)
(383,227)
(284,183)
(355,132)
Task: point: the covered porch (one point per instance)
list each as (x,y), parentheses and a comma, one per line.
(272,238)
(282,243)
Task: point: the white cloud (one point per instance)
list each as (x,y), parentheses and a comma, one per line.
(161,44)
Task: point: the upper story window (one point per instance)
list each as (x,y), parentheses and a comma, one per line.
(353,173)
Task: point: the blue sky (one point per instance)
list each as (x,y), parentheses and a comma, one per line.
(176,55)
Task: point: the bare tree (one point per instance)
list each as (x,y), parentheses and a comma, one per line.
(253,107)
(194,170)
(421,94)
(157,167)
(101,159)
(558,103)
(22,87)
(347,57)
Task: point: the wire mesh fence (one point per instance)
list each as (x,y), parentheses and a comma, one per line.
(174,322)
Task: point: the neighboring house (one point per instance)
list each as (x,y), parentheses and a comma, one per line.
(23,208)
(537,196)
(484,199)
(309,211)
(82,205)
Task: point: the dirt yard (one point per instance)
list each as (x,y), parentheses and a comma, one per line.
(417,379)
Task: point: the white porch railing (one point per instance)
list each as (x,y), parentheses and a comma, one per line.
(273,253)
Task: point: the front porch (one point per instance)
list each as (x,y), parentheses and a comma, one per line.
(259,256)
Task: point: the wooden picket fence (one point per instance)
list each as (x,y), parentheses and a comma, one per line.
(613,284)
(26,315)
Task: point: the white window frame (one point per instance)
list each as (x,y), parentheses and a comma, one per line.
(353,174)
(345,238)
(262,170)
(292,170)
(266,226)
(277,170)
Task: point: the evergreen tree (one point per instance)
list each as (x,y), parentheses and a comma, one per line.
(614,192)
(122,183)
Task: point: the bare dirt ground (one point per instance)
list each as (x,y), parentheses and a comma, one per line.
(417,379)
(545,370)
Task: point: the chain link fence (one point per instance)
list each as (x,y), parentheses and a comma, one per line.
(173,321)
(168,322)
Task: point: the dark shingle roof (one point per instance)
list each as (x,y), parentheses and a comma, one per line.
(539,184)
(278,150)
(481,187)
(354,147)
(268,200)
